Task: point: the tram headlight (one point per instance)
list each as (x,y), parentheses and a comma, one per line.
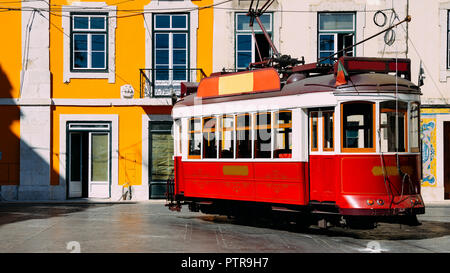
(370,202)
(380,202)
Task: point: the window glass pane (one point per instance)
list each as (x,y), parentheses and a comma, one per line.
(226,137)
(179,57)
(80,42)
(209,137)
(391,122)
(263,135)
(266,21)
(283,134)
(179,41)
(195,137)
(80,59)
(162,73)
(328,127)
(97,23)
(162,56)
(243,23)
(80,22)
(98,42)
(414,132)
(314,130)
(326,42)
(98,59)
(179,21)
(162,40)
(162,21)
(244,42)
(99,157)
(243,137)
(336,21)
(358,125)
(162,152)
(244,59)
(179,73)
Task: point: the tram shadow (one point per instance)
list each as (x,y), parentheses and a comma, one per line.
(383,231)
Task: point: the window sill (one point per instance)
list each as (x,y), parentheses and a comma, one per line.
(89,75)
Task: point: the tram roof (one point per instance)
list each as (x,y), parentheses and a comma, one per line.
(360,83)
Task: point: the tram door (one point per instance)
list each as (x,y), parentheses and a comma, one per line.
(322,159)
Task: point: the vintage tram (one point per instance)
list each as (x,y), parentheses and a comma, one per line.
(326,144)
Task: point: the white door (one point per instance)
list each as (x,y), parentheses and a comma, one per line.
(99,170)
(75,165)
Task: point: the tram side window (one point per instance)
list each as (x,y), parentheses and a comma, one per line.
(226,137)
(263,135)
(414,130)
(328,130)
(358,127)
(209,137)
(195,138)
(314,121)
(393,120)
(243,137)
(283,134)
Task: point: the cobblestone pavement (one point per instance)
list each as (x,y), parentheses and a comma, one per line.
(149,227)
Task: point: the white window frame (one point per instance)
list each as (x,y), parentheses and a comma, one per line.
(87,7)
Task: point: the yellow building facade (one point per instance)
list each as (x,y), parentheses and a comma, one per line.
(86,94)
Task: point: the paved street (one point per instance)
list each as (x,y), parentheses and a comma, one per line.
(150,227)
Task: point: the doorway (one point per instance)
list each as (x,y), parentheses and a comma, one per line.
(89,160)
(447,160)
(160,157)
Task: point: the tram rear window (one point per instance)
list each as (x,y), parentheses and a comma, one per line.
(358,127)
(414,131)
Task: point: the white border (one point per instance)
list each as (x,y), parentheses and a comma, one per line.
(116,189)
(444,73)
(112,25)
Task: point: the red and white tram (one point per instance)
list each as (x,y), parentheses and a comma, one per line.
(321,150)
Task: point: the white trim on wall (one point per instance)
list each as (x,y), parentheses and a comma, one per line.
(112,25)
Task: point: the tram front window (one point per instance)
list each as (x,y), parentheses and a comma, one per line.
(357,126)
(392,126)
(195,138)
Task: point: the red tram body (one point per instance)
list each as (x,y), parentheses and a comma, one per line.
(302,143)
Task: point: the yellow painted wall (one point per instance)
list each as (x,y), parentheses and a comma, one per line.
(130,137)
(10,51)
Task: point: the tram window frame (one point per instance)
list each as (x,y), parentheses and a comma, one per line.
(260,132)
(371,147)
(209,139)
(330,131)
(192,136)
(285,130)
(314,145)
(386,108)
(226,153)
(414,135)
(247,128)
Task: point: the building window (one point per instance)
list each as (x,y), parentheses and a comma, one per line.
(89,40)
(226,138)
(336,31)
(246,45)
(283,134)
(358,127)
(393,120)
(209,137)
(170,51)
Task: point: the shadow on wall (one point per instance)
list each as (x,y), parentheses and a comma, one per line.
(17,182)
